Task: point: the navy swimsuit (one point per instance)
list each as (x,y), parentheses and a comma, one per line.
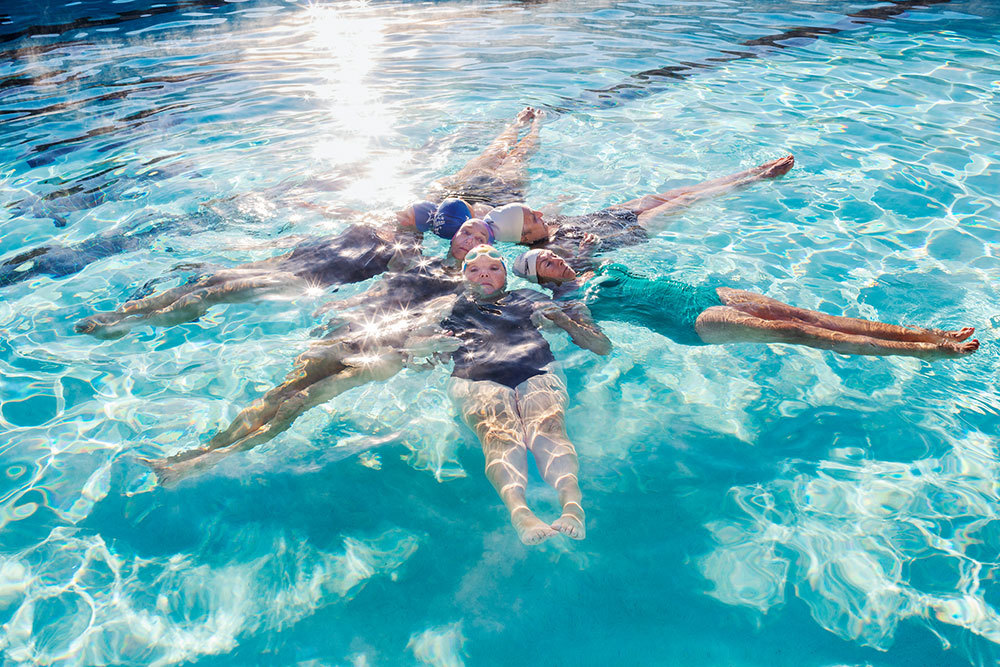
(499,342)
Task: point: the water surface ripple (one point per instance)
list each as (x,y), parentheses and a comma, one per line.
(746,504)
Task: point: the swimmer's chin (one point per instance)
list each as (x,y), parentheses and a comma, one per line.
(484,291)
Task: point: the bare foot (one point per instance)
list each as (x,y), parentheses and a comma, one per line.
(538,117)
(529,527)
(959,335)
(526,114)
(173,469)
(775,168)
(164,471)
(572,523)
(959,349)
(101,325)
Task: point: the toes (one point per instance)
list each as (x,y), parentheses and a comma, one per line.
(570,526)
(961,349)
(537,535)
(964,333)
(779,167)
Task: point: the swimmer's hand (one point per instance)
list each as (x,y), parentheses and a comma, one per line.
(589,244)
(548,312)
(424,352)
(329,305)
(579,326)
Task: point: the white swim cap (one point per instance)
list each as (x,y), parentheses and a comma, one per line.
(507,222)
(526,265)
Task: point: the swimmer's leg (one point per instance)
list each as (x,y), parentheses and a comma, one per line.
(490,410)
(767,308)
(506,142)
(186,303)
(303,389)
(725,324)
(514,167)
(650,207)
(542,402)
(491,159)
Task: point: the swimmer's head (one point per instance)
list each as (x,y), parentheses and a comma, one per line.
(508,222)
(450,215)
(542,266)
(484,267)
(418,214)
(518,223)
(473,232)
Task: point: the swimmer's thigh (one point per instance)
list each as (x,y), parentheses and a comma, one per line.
(542,400)
(488,408)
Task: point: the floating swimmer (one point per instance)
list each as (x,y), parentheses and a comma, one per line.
(360,252)
(507,393)
(630,223)
(704,315)
(502,377)
(376,334)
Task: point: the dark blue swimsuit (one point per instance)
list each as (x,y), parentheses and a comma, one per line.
(614,227)
(353,256)
(499,341)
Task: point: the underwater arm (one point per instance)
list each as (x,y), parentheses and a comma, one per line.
(576,321)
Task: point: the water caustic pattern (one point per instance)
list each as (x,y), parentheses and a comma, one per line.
(744,503)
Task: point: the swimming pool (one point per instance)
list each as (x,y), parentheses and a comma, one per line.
(746,504)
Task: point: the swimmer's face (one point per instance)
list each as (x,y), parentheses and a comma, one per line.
(473,232)
(553,268)
(487,272)
(534,228)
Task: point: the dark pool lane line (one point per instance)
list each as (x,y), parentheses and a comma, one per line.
(649,82)
(84,23)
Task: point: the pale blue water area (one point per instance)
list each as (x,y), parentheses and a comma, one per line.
(747,504)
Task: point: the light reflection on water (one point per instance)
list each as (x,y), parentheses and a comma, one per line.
(852,500)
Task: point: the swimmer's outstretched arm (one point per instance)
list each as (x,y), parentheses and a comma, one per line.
(650,207)
(373,293)
(576,321)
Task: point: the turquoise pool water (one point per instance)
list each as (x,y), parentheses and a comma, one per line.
(747,504)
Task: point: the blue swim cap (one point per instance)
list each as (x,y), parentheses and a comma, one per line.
(449,217)
(423,212)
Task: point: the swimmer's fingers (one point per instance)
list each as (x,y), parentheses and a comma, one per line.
(546,314)
(428,346)
(329,305)
(557,316)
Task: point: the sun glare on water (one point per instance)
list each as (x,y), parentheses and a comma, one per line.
(349,43)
